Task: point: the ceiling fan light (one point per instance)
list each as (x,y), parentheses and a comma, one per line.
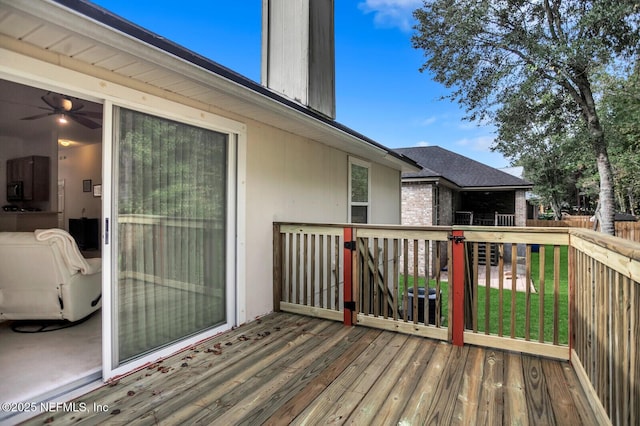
(62,119)
(66,104)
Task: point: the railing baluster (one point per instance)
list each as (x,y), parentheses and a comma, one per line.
(336,290)
(427,283)
(500,289)
(290,271)
(438,279)
(395,279)
(414,307)
(376,278)
(556,292)
(527,303)
(385,274)
(313,271)
(298,269)
(514,287)
(329,267)
(487,291)
(278,267)
(405,280)
(305,266)
(475,265)
(541,296)
(321,266)
(366,291)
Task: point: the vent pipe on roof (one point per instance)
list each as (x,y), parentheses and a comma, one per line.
(298,58)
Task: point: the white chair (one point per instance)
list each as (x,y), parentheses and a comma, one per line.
(43,276)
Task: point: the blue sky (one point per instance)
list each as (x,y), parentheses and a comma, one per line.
(379,90)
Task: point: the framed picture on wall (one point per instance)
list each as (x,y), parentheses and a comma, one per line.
(97,190)
(86,185)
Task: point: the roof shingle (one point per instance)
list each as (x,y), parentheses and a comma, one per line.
(438,162)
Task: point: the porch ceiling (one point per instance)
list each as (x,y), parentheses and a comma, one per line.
(132,55)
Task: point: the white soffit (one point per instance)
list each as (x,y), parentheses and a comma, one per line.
(55,28)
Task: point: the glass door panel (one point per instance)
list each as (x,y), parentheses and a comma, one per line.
(170,204)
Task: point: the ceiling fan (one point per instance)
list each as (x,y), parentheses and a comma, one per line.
(65,107)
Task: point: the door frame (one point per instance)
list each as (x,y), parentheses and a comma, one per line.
(30,71)
(110,237)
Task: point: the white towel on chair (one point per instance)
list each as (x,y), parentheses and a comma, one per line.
(69,250)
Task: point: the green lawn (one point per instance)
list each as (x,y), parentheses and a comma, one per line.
(520,302)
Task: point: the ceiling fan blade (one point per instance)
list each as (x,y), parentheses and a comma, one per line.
(84,121)
(46,100)
(91,114)
(35,117)
(60,102)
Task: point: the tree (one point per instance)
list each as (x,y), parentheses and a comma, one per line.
(621,120)
(492,53)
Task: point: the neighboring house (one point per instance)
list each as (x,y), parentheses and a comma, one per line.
(197,163)
(452,189)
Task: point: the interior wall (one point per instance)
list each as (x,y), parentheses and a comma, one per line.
(74,166)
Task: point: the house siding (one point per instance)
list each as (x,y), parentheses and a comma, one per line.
(293,179)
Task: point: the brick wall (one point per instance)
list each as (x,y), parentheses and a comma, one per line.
(521,208)
(417,204)
(417,209)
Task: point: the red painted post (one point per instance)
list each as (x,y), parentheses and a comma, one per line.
(347,275)
(457,320)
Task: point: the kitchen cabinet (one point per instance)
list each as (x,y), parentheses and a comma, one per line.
(33,172)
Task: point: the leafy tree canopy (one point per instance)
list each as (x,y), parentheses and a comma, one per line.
(529,66)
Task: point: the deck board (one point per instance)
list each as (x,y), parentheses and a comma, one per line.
(291,369)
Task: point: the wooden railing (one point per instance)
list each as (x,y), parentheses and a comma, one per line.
(557,292)
(401,280)
(521,302)
(183,253)
(308,269)
(606,322)
(393,266)
(486,219)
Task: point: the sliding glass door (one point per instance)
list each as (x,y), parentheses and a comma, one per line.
(169,229)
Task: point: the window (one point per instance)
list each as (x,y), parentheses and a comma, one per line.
(359,190)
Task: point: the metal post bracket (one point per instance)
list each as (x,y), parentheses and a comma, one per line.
(456,238)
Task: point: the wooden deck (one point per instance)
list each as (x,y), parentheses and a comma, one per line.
(290,369)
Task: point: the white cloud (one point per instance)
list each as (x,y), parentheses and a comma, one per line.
(481,143)
(423,143)
(428,121)
(391,13)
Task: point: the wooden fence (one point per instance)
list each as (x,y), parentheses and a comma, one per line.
(626,230)
(580,301)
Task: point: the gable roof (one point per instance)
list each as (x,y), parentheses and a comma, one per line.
(465,173)
(105,45)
